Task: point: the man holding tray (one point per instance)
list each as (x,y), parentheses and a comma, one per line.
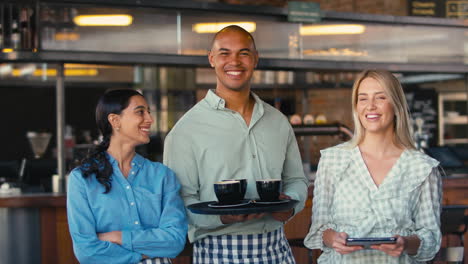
(233,134)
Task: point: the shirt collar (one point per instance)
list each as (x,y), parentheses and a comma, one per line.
(136,161)
(218,103)
(214,101)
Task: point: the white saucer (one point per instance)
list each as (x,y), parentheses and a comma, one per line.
(272,202)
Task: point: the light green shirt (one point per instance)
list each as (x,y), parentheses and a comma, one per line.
(406,203)
(212,143)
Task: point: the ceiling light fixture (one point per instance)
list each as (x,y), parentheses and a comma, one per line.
(103,20)
(91,66)
(53,72)
(335,52)
(426,78)
(344,29)
(215,27)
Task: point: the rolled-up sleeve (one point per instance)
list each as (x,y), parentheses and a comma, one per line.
(427,217)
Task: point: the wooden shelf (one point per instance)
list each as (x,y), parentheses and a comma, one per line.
(320,130)
(99,57)
(456,141)
(458,120)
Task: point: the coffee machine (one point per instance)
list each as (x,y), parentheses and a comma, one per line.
(36,174)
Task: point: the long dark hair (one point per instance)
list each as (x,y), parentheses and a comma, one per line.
(112,102)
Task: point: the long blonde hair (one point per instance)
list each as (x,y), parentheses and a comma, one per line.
(402,126)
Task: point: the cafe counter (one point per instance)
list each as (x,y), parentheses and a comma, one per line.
(34,228)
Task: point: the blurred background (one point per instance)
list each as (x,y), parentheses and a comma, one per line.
(57,58)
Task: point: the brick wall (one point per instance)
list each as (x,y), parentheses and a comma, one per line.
(335,104)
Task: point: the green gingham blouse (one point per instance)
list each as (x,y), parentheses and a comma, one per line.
(347,200)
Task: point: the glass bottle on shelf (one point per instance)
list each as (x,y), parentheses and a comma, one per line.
(1,27)
(1,36)
(15,36)
(25,29)
(64,20)
(48,28)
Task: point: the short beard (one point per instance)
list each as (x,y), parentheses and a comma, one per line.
(240,88)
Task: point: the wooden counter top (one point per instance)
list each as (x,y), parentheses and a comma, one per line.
(455,191)
(33,200)
(457,182)
(60,199)
(56,242)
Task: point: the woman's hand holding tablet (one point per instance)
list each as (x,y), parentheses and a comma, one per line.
(368,241)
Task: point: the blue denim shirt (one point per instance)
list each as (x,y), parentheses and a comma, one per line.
(146,207)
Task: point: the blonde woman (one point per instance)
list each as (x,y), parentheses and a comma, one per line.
(377,184)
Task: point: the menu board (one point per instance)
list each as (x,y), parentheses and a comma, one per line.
(456,9)
(439,8)
(429,8)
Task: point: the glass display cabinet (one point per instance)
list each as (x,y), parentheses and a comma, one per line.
(453,118)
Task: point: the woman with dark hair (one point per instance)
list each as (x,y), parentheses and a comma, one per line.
(123,208)
(377,184)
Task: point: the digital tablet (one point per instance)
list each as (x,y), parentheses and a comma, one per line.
(368,241)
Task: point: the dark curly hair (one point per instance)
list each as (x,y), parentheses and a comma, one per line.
(96,162)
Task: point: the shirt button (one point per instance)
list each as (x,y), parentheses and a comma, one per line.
(136,222)
(133,163)
(254,156)
(128,187)
(132,203)
(133,172)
